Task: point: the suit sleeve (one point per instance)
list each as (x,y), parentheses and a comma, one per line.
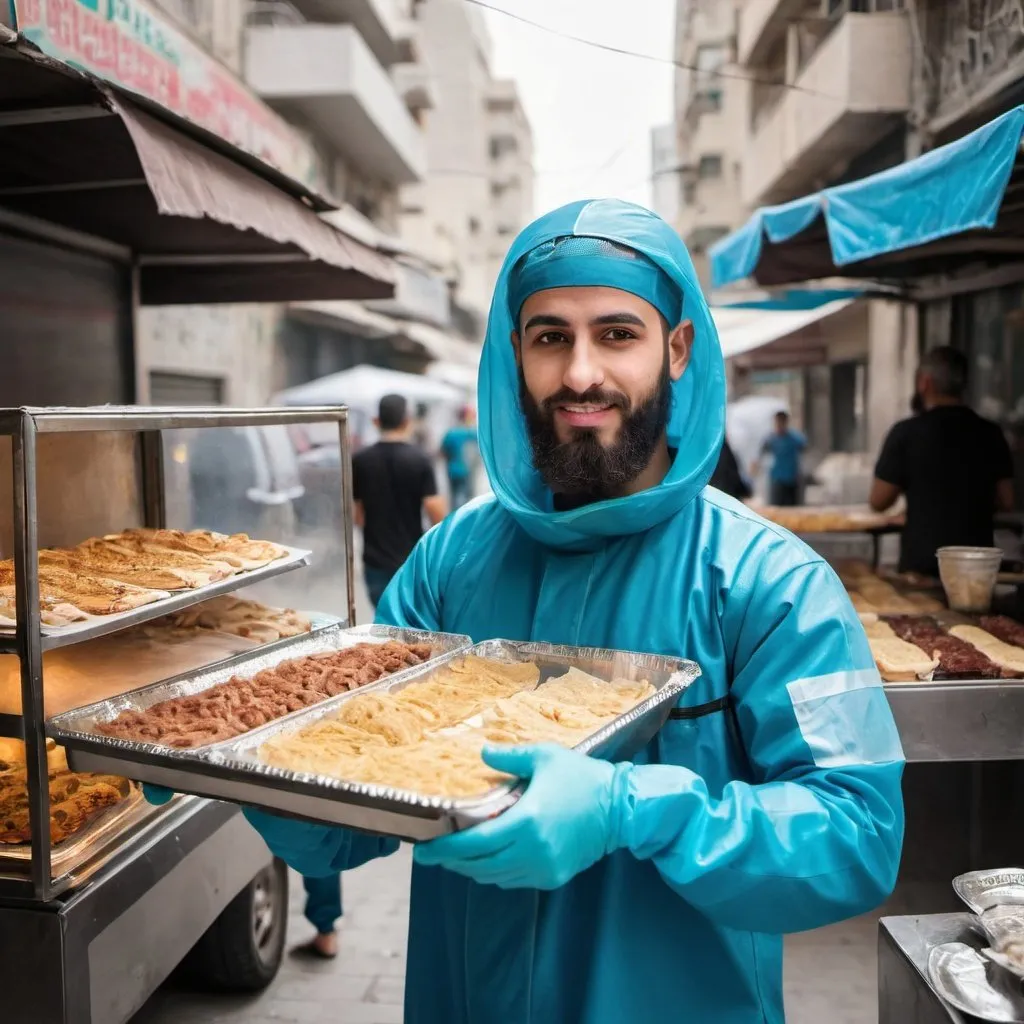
(816,836)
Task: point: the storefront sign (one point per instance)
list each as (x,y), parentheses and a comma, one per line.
(128,43)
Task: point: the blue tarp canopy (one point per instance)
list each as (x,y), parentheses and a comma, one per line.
(958,205)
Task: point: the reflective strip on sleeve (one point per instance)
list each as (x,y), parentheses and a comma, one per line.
(844,719)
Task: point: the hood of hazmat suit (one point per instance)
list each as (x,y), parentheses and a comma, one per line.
(769,802)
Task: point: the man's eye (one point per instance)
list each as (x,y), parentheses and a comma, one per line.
(620,334)
(550,338)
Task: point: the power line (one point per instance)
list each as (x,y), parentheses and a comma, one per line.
(622,51)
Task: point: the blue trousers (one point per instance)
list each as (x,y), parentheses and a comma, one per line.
(323,902)
(459,491)
(377,581)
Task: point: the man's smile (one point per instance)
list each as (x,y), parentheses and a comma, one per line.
(584,414)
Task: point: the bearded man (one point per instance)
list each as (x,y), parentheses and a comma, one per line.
(654,890)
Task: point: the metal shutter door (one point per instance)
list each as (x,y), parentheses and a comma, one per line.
(184,389)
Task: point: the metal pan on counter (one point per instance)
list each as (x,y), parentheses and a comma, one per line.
(232,771)
(982,977)
(91,750)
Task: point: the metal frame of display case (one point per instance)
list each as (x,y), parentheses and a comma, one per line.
(28,641)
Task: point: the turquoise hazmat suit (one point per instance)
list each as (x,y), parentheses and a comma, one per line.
(769,803)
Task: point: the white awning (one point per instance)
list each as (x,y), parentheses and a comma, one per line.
(744,330)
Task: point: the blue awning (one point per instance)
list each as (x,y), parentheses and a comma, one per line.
(959,204)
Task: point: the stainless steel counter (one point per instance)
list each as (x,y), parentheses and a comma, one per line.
(905,995)
(976,720)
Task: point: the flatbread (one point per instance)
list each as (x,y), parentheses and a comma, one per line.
(1006,656)
(901,662)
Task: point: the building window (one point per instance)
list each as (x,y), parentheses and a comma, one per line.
(710,58)
(474,226)
(710,166)
(689,193)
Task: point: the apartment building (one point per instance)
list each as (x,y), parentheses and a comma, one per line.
(381,100)
(477,190)
(829,91)
(709,103)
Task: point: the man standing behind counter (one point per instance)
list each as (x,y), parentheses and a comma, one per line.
(954,467)
(657,889)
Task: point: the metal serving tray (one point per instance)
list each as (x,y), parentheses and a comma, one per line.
(89,750)
(172,601)
(232,771)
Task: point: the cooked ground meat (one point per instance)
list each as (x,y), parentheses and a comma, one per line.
(235,707)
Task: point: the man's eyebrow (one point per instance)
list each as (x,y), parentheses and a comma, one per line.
(618,318)
(546,320)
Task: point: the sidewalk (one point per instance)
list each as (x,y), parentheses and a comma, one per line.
(364,985)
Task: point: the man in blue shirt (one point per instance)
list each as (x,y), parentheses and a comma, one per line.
(785,446)
(453,447)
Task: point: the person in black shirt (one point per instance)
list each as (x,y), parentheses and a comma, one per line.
(393,485)
(727,476)
(953,466)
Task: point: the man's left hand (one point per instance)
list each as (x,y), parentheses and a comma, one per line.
(560,826)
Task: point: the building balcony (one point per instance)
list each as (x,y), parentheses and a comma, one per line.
(761,25)
(853,91)
(416,86)
(328,77)
(380,22)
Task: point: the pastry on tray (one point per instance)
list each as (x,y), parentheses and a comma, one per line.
(242,617)
(238,550)
(91,594)
(76,798)
(108,575)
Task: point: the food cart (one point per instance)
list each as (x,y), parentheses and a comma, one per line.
(162,212)
(947,223)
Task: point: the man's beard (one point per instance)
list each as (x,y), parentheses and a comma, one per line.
(583,469)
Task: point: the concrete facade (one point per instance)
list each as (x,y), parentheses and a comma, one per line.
(709,102)
(352,78)
(478,188)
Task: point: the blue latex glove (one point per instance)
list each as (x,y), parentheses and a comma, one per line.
(156,795)
(564,822)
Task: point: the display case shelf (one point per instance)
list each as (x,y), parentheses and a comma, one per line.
(28,640)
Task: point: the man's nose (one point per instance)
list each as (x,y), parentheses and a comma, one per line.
(584,370)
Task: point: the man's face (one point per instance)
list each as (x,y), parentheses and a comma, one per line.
(781,424)
(596,366)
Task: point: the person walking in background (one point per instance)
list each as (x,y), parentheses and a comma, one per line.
(393,487)
(453,448)
(785,446)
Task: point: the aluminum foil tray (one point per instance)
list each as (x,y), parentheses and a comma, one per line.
(997,899)
(89,750)
(971,983)
(232,771)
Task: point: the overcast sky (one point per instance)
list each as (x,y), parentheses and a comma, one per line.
(591,111)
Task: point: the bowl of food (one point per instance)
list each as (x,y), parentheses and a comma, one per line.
(968,576)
